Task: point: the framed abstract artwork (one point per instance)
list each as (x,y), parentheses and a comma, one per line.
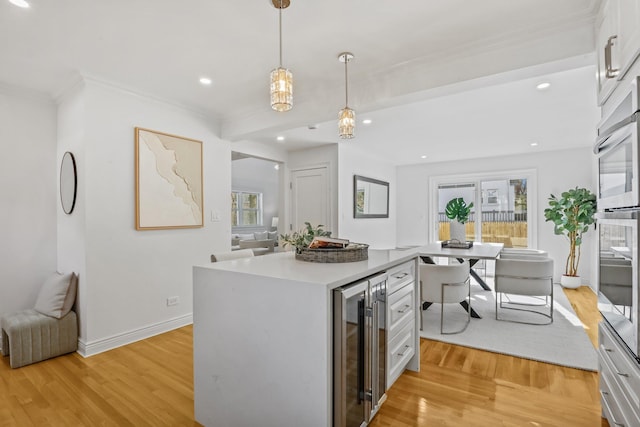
(169,185)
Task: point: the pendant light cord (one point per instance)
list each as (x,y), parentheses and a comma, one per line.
(280,30)
(346,82)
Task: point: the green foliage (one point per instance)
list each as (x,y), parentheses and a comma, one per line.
(571,214)
(301,239)
(457,209)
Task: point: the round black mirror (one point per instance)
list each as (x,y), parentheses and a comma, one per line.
(68,182)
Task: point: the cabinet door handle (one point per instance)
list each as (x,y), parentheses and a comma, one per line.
(404,309)
(610,72)
(404,350)
(609,350)
(623,374)
(401,275)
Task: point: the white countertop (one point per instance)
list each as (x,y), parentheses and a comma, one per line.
(283,265)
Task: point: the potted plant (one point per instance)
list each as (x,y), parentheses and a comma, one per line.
(301,239)
(572,214)
(458,212)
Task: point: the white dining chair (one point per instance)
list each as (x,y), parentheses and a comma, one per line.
(445,284)
(523,253)
(525,277)
(224,256)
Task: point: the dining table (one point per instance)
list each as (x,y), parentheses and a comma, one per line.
(477,252)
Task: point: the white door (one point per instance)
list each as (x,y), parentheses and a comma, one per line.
(310,198)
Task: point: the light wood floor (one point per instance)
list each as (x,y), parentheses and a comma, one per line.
(150,383)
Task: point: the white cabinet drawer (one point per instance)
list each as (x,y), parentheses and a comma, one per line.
(624,369)
(614,406)
(400,275)
(401,309)
(401,349)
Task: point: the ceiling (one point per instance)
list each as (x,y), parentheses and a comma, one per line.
(443,78)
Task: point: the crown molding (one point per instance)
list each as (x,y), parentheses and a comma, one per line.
(80,79)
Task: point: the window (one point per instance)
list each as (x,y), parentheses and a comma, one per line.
(502,209)
(246,209)
(446,192)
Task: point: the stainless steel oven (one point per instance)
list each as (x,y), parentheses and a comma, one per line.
(618,266)
(359,361)
(617,152)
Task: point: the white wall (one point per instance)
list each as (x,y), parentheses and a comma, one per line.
(557,171)
(378,233)
(130,274)
(28,183)
(71,244)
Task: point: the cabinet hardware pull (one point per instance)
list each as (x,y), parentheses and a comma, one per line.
(406,347)
(608,349)
(610,72)
(401,275)
(605,404)
(404,309)
(623,374)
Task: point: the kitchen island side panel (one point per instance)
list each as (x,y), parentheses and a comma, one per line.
(261,351)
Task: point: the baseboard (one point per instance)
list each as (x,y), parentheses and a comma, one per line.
(86,349)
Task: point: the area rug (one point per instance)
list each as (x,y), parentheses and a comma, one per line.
(564,342)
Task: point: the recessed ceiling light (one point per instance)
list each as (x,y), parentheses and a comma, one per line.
(280,138)
(423,157)
(205,81)
(20,3)
(543,85)
(276,166)
(367,121)
(534,144)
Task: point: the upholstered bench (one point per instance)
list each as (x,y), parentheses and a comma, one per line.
(29,336)
(48,330)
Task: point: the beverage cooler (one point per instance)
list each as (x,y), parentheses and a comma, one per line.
(359,329)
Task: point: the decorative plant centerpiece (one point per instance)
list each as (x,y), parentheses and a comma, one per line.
(303,238)
(325,249)
(572,214)
(458,212)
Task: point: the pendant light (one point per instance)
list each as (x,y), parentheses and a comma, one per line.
(346,117)
(281,78)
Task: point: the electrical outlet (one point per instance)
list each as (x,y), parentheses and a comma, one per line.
(173,301)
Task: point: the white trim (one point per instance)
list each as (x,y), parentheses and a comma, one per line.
(532,197)
(86,349)
(83,79)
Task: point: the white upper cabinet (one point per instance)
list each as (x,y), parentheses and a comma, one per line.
(617,43)
(629,33)
(607,49)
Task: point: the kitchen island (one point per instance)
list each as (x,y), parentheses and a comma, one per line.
(263,336)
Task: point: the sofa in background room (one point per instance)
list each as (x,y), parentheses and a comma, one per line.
(261,242)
